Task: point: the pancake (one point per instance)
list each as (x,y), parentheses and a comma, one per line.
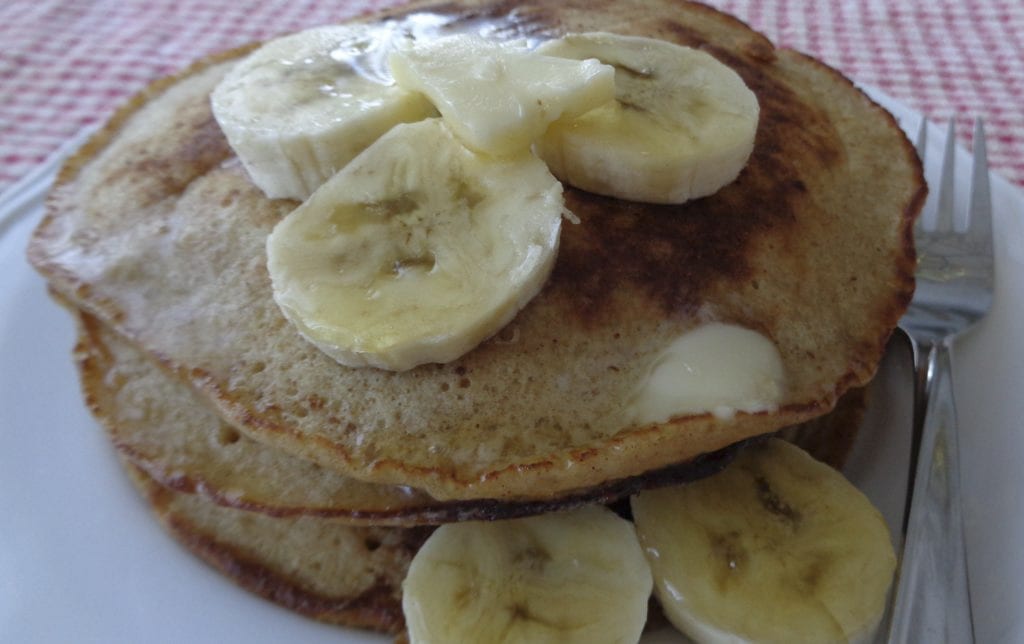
(316,566)
(830,438)
(155,228)
(336,573)
(323,568)
(164,429)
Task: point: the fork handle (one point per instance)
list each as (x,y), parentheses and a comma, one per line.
(932,602)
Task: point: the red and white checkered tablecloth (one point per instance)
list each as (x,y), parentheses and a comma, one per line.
(66,64)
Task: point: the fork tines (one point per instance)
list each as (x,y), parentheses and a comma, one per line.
(978,212)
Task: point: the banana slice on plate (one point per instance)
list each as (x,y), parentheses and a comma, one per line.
(299,108)
(417,251)
(572,577)
(681,127)
(775,548)
(498,97)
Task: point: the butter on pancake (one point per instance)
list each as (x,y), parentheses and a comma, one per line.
(717,368)
(155,228)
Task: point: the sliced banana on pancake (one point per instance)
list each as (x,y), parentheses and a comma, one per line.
(681,127)
(572,577)
(302,106)
(498,97)
(417,251)
(777,547)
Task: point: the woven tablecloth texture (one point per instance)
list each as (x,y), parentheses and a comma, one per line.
(67,64)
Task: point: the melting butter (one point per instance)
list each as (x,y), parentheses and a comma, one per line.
(369,59)
(718,368)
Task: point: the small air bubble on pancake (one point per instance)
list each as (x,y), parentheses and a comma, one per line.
(508,335)
(227,435)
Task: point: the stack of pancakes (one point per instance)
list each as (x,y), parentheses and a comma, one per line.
(312,483)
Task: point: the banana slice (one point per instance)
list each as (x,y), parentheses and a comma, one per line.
(498,97)
(681,127)
(417,251)
(775,548)
(299,108)
(572,577)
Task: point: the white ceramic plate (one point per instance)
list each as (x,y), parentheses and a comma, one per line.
(82,560)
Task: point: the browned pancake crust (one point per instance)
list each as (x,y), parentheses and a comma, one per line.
(360,569)
(830,438)
(812,246)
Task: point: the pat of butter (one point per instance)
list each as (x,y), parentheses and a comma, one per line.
(717,368)
(499,97)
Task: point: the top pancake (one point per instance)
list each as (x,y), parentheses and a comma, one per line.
(155,228)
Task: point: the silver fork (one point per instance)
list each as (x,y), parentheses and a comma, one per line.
(954,290)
